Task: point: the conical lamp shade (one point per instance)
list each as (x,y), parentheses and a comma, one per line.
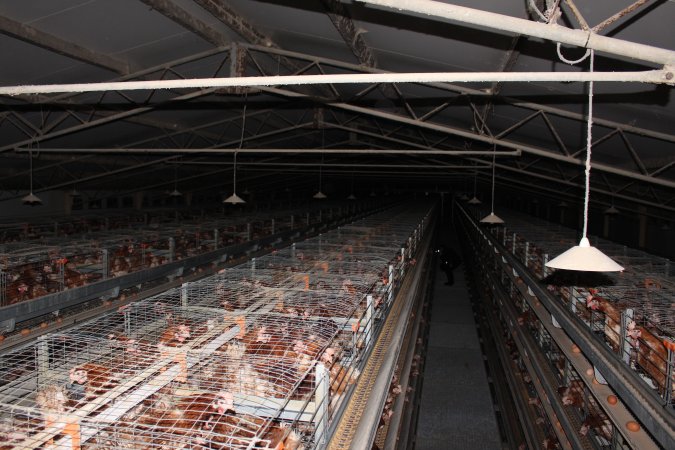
(492,219)
(320,195)
(74,193)
(612,210)
(585,258)
(474,201)
(31,200)
(175,193)
(234,199)
(351,197)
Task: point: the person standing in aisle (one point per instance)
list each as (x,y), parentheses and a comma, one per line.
(449,261)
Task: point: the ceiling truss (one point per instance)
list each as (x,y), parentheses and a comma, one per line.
(410,125)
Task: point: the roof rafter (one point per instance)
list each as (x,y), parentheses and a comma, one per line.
(56,44)
(182,17)
(474,136)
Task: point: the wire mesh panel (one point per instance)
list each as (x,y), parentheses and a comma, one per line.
(630,311)
(258,356)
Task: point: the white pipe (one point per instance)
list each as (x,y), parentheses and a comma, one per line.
(649,76)
(368,151)
(552,32)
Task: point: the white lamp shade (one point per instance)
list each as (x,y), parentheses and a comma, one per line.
(74,193)
(474,201)
(234,199)
(584,258)
(351,197)
(319,195)
(492,219)
(31,200)
(175,193)
(612,210)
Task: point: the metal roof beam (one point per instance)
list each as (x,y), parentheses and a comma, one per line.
(516,102)
(477,137)
(55,44)
(339,15)
(188,21)
(551,32)
(221,10)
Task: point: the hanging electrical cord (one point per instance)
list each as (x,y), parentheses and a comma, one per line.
(320,195)
(234,198)
(584,257)
(589,140)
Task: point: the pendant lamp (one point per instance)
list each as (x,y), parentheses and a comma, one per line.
(584,257)
(612,210)
(320,195)
(31,199)
(234,199)
(474,200)
(175,192)
(492,218)
(352,196)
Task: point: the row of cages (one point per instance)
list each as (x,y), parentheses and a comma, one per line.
(33,269)
(639,338)
(258,356)
(631,312)
(45,229)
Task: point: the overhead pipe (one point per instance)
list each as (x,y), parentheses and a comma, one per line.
(647,76)
(341,151)
(464,90)
(287,164)
(551,32)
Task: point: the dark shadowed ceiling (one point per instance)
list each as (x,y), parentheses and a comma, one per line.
(152,140)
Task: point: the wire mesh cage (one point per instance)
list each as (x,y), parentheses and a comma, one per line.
(257,356)
(631,311)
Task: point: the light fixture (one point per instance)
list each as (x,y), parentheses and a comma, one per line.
(234,199)
(175,192)
(31,199)
(474,200)
(320,195)
(584,257)
(74,192)
(492,218)
(612,210)
(352,196)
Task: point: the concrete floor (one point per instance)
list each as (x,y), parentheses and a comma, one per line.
(456,408)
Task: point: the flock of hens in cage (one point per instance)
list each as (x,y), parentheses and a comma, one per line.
(257,356)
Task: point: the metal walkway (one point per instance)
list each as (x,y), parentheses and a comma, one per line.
(456,410)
